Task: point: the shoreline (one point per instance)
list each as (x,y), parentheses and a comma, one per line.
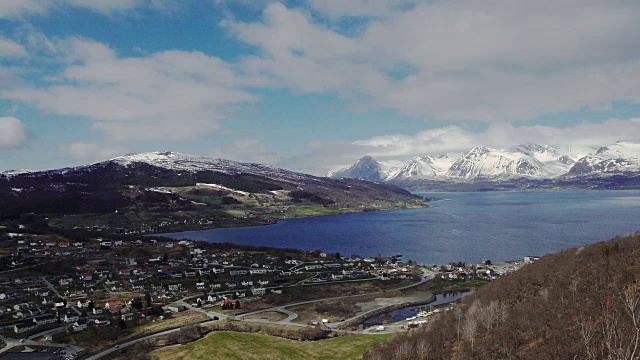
(275,222)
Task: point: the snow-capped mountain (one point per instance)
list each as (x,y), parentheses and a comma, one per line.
(620,157)
(482,162)
(525,161)
(368,168)
(424,167)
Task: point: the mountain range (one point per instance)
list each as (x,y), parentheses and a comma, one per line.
(168,187)
(524,165)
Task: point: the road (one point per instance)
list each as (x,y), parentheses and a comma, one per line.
(55,291)
(427,275)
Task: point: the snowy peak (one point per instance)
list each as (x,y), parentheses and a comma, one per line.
(482,162)
(366,168)
(620,150)
(623,156)
(424,167)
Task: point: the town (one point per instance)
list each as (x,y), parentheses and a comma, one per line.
(81,295)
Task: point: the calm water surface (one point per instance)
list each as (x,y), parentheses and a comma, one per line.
(464,227)
(403,313)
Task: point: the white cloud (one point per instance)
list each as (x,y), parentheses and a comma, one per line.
(89,152)
(167,95)
(458,60)
(9,48)
(246,150)
(13,132)
(336,9)
(22,8)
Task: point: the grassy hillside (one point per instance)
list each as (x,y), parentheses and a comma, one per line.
(582,303)
(242,346)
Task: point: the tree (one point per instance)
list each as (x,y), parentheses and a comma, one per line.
(338,256)
(147,299)
(237,304)
(122,324)
(165,258)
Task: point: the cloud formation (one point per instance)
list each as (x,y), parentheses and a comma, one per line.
(456,60)
(169,95)
(23,8)
(90,152)
(246,150)
(13,132)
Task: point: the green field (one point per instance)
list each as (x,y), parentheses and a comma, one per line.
(242,346)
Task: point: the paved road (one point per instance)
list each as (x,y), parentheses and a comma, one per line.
(55,291)
(427,275)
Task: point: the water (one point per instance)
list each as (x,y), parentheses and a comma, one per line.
(403,313)
(466,227)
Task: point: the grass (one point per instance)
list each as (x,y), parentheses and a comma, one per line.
(231,345)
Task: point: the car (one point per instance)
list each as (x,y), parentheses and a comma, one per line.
(117,346)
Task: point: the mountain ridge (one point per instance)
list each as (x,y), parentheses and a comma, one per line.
(167,187)
(530,164)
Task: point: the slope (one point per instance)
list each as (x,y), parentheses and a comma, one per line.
(580,303)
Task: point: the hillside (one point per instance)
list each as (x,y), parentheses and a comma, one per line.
(582,303)
(143,192)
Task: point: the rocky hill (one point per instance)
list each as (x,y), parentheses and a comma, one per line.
(582,303)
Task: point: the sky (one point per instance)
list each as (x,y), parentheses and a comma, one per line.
(312,85)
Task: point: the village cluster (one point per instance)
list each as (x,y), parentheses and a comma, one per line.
(103,282)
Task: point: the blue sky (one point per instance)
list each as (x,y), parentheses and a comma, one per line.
(311,85)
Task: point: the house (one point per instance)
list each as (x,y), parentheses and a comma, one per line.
(63,244)
(174,308)
(337,276)
(114,304)
(277,291)
(263,282)
(312,267)
(69,318)
(99,322)
(240,294)
(292,262)
(84,304)
(247,283)
(97,311)
(127,316)
(80,325)
(323,255)
(175,287)
(530,259)
(258,291)
(217,270)
(24,327)
(215,286)
(86,277)
(44,319)
(257,271)
(238,272)
(200,286)
(231,284)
